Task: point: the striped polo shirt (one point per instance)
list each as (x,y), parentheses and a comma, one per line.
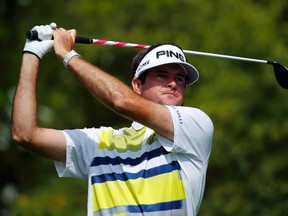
(134,171)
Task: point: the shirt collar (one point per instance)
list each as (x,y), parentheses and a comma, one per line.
(137,126)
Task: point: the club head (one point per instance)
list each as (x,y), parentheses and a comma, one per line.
(281,74)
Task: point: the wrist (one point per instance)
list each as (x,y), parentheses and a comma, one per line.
(31,53)
(69,56)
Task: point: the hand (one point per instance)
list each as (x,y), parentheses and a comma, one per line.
(40,48)
(63,41)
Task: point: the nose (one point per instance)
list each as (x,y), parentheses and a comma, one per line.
(172,84)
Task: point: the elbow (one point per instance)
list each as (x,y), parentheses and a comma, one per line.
(121,106)
(16,137)
(19,137)
(118,106)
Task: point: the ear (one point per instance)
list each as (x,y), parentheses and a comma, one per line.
(137,85)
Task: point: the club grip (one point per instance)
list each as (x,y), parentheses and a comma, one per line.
(83,40)
(33,35)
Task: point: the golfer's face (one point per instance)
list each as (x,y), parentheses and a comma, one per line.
(165,85)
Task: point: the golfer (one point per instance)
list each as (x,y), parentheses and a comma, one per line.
(156,166)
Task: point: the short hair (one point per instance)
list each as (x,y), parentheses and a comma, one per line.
(138,58)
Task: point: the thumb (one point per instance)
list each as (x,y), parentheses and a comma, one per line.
(73,34)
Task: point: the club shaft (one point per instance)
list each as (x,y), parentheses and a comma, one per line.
(119,44)
(225,56)
(133,45)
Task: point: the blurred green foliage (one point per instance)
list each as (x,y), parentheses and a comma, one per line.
(247,173)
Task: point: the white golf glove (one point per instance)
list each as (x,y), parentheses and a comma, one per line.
(40,48)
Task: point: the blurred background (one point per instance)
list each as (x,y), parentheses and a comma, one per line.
(248,169)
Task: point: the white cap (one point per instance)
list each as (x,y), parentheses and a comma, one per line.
(167,54)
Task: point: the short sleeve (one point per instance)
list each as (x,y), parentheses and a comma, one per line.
(193,132)
(80,148)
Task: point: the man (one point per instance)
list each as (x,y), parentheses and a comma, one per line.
(155,167)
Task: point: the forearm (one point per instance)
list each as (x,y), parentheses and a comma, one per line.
(107,89)
(49,143)
(24,113)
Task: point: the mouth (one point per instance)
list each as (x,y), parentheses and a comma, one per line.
(170,93)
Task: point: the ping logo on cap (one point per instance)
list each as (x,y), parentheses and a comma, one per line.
(167,54)
(170,53)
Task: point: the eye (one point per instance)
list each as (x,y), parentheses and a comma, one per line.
(161,74)
(180,79)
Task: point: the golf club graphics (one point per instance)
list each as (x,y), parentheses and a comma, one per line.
(280,71)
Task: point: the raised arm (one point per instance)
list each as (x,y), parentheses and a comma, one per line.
(25,130)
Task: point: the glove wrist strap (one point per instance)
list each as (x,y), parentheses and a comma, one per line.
(69,56)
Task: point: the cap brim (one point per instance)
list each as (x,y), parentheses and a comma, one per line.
(191,72)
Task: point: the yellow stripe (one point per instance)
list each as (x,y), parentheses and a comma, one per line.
(130,140)
(161,188)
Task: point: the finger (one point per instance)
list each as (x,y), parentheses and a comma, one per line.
(69,34)
(58,31)
(72,33)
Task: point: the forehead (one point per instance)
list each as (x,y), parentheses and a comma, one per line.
(169,68)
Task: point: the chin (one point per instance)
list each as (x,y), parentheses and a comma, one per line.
(172,103)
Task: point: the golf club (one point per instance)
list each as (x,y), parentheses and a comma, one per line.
(280,71)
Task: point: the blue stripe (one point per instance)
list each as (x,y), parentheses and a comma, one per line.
(167,168)
(156,207)
(129,161)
